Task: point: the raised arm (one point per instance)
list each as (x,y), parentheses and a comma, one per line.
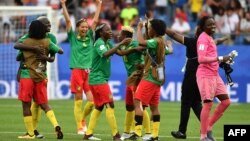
(221,40)
(97,13)
(176,36)
(125,52)
(114,49)
(24,47)
(66,15)
(141,40)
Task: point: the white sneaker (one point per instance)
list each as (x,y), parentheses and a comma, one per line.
(125,136)
(91,137)
(146,137)
(81,131)
(94,138)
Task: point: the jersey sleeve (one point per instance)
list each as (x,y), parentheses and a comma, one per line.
(52,37)
(23,38)
(101,48)
(152,43)
(53,48)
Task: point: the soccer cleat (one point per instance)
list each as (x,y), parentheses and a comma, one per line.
(147,136)
(178,135)
(80,131)
(38,135)
(125,136)
(153,139)
(117,137)
(59,133)
(27,136)
(134,137)
(91,137)
(210,136)
(205,139)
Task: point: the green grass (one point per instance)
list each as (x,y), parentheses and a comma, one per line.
(11,121)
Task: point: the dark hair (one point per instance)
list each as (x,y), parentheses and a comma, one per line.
(98,30)
(80,21)
(202,22)
(127,34)
(159,26)
(37,30)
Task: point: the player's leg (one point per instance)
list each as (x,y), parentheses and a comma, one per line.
(41,98)
(25,93)
(76,87)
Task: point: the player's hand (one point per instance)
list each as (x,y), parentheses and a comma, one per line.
(38,49)
(126,41)
(140,24)
(227,59)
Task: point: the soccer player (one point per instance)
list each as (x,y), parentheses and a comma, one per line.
(33,79)
(98,80)
(133,60)
(190,97)
(81,44)
(35,108)
(209,81)
(148,90)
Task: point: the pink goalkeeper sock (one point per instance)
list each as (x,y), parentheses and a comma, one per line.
(218,113)
(204,118)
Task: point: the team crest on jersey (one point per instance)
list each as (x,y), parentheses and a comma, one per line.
(110,96)
(78,88)
(102,47)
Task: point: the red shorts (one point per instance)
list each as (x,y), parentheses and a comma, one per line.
(101,94)
(129,97)
(79,81)
(148,93)
(28,89)
(211,86)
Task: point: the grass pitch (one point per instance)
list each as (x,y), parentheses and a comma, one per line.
(11,121)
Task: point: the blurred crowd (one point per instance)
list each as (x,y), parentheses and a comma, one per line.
(232,16)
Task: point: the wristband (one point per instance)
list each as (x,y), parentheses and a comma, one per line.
(220,58)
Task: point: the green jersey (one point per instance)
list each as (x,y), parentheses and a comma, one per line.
(81,50)
(54,49)
(132,59)
(152,47)
(100,70)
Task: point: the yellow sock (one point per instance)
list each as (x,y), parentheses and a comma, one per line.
(87,109)
(28,124)
(138,130)
(110,115)
(129,118)
(146,122)
(36,113)
(155,131)
(92,123)
(132,128)
(52,118)
(78,113)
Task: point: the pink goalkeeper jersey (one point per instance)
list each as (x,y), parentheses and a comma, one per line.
(207,56)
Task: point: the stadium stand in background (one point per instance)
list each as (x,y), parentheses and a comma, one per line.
(232,16)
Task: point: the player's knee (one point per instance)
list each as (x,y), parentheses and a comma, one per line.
(156,118)
(110,105)
(99,108)
(144,107)
(226,102)
(130,108)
